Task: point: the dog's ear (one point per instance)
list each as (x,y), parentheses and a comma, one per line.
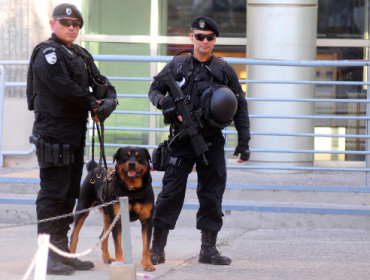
(117,155)
(148,155)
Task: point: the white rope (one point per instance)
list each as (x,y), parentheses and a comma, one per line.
(31,266)
(88,251)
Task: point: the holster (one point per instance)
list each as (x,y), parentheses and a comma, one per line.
(161,157)
(50,155)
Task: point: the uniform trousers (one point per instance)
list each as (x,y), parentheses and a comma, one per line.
(60,187)
(210,188)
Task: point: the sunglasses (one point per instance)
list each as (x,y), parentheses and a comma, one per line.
(200,37)
(68,22)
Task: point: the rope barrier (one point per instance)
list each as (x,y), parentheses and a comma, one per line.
(31,266)
(71,255)
(62,216)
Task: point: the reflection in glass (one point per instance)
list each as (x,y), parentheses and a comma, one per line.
(176,16)
(341,92)
(342,19)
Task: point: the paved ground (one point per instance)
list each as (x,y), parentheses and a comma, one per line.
(256,254)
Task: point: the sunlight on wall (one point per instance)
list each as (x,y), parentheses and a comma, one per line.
(330,144)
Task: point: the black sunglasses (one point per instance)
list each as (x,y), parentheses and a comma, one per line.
(68,22)
(200,37)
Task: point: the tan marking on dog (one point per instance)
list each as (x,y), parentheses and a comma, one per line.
(145,210)
(133,183)
(76,231)
(129,153)
(104,245)
(118,242)
(136,154)
(147,263)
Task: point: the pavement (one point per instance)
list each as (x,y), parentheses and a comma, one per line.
(255,253)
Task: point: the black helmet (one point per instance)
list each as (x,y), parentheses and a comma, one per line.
(219,106)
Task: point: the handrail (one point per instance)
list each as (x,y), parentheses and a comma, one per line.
(244,61)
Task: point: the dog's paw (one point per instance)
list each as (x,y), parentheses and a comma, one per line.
(148,267)
(108,259)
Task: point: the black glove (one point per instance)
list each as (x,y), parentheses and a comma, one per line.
(106,108)
(243,149)
(168,110)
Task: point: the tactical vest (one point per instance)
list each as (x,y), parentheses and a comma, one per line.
(216,77)
(41,99)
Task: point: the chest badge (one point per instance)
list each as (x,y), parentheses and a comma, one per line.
(51,58)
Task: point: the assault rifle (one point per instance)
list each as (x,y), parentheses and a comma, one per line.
(191,123)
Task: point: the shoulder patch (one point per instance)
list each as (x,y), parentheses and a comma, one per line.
(51,57)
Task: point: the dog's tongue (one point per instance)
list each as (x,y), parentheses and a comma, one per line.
(132,173)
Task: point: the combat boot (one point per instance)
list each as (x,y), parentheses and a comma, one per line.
(56,267)
(157,254)
(61,242)
(208,251)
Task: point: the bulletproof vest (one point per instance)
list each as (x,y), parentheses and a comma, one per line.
(41,99)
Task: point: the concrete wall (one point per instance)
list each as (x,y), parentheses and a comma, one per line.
(23,24)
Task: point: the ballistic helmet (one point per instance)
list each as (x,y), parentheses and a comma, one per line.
(219,106)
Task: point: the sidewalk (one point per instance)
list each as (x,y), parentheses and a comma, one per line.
(256,254)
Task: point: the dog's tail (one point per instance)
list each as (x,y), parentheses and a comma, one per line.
(90,165)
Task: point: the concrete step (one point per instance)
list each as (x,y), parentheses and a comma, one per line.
(17,208)
(243,192)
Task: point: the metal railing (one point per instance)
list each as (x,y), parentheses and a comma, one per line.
(125,58)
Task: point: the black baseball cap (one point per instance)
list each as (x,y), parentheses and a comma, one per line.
(68,10)
(206,24)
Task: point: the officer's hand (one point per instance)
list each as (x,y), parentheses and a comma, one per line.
(93,113)
(106,108)
(243,150)
(168,109)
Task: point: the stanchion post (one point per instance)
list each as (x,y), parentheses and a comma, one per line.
(125,270)
(42,257)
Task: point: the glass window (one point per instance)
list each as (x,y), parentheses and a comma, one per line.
(112,17)
(342,19)
(340,109)
(176,16)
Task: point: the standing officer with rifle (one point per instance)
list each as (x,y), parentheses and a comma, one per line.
(59,77)
(204,96)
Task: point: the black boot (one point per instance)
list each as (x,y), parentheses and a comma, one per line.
(158,244)
(56,267)
(61,242)
(208,251)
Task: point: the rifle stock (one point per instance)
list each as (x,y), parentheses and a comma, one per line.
(189,125)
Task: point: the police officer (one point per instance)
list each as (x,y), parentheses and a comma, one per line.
(59,77)
(199,74)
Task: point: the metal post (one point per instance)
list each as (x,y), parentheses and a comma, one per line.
(226,143)
(2,85)
(126,232)
(42,257)
(127,269)
(367,157)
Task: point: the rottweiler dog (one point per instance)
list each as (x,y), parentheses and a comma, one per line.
(131,177)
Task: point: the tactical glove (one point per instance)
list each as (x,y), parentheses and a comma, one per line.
(243,149)
(106,108)
(168,110)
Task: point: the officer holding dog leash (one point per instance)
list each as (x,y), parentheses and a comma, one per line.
(60,75)
(211,84)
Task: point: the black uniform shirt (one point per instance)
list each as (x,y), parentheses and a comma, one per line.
(56,78)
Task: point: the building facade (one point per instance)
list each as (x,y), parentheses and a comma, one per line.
(333,30)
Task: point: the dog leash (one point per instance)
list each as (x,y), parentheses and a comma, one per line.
(102,150)
(92,180)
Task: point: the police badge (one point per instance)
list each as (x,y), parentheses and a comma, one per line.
(202,24)
(51,58)
(68,11)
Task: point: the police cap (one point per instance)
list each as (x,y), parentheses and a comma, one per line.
(68,10)
(206,24)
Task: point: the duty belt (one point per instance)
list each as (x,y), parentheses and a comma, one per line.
(180,163)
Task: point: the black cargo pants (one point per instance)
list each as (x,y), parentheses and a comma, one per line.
(60,187)
(210,189)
